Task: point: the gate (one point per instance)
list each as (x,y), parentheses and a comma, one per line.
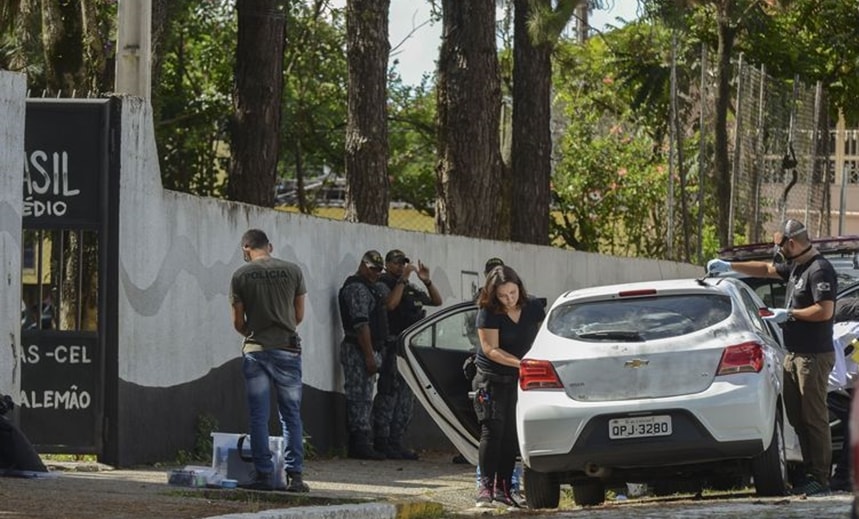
(68,179)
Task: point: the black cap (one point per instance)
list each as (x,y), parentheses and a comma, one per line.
(491,263)
(396,256)
(373,259)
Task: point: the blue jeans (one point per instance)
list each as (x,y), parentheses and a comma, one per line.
(283,368)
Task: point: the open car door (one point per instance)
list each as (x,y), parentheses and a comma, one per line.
(430,357)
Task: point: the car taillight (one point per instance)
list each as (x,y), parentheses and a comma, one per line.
(538,374)
(741,358)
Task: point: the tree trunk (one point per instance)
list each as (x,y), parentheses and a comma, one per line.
(721,161)
(367,126)
(63,48)
(256,101)
(532,140)
(95,61)
(469,101)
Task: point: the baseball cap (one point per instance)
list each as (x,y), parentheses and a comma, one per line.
(491,263)
(373,259)
(791,229)
(396,256)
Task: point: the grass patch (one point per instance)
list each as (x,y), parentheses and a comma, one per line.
(398,218)
(68,458)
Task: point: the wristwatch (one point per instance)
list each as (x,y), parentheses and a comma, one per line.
(790,316)
(403,282)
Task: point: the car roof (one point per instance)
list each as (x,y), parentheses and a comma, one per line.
(661,285)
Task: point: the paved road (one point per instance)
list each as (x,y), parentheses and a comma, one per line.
(836,506)
(433,479)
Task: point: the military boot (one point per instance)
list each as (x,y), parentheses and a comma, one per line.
(381,444)
(360,448)
(402,452)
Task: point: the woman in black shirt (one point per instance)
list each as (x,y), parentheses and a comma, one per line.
(506,325)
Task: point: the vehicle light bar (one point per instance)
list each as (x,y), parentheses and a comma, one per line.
(747,357)
(538,374)
(847,244)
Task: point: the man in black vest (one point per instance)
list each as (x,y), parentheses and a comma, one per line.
(392,408)
(365,327)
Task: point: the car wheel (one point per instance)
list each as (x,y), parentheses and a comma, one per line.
(589,494)
(542,490)
(769,468)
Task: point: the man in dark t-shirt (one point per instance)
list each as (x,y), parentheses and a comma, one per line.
(807,321)
(267,295)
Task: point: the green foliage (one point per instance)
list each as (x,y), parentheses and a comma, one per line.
(192,101)
(817,39)
(610,182)
(206,424)
(314,116)
(412,144)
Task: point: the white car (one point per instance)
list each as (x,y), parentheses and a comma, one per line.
(640,382)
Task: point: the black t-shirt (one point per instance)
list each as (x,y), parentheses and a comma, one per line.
(514,338)
(807,284)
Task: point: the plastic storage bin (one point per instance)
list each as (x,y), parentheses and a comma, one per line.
(232,459)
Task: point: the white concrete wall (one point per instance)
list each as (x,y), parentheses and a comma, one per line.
(176,353)
(13,88)
(177,253)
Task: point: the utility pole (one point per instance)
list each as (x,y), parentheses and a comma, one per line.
(134,48)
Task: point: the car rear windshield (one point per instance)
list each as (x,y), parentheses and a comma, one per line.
(638,319)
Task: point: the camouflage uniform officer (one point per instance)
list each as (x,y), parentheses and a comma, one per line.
(392,408)
(365,327)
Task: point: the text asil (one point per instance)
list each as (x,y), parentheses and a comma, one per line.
(67,400)
(47,174)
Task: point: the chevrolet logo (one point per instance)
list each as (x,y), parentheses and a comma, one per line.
(637,363)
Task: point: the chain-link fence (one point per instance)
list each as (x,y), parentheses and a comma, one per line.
(781,165)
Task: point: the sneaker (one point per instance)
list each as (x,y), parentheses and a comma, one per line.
(504,496)
(295,483)
(261,481)
(811,488)
(484,497)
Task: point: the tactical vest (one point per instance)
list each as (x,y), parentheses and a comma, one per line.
(411,307)
(378,314)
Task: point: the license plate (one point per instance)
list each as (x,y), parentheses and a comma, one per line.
(639,427)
